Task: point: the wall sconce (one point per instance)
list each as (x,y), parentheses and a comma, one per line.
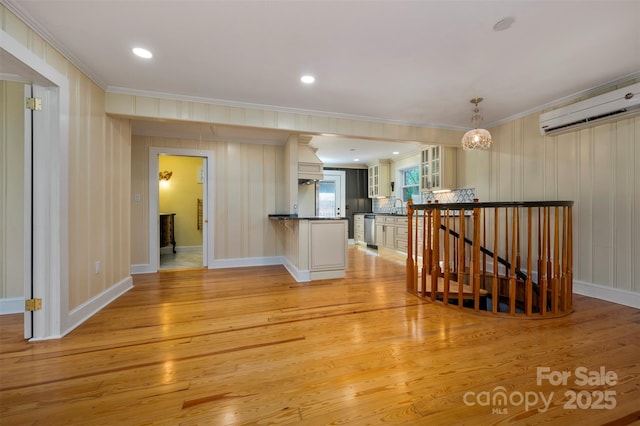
(165,175)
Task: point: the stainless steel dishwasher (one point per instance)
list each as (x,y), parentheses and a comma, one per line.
(370,230)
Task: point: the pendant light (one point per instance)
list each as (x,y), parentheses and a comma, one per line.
(476,138)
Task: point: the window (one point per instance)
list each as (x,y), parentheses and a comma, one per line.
(410,183)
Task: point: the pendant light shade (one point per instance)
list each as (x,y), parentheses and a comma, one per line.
(476,138)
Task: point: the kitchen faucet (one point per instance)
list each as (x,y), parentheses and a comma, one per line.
(401,207)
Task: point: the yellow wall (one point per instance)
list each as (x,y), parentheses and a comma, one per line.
(11,189)
(248,185)
(99,176)
(594,167)
(179,195)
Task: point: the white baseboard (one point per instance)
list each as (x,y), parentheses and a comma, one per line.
(301,276)
(615,295)
(89,308)
(246,261)
(12,305)
(143,268)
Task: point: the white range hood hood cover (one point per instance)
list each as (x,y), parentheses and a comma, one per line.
(309,165)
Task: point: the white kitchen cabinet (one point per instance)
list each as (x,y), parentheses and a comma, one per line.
(314,249)
(358,228)
(386,229)
(380,179)
(380,230)
(438,168)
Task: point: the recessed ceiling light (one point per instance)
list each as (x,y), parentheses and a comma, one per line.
(395,153)
(356,159)
(504,24)
(307,79)
(143,53)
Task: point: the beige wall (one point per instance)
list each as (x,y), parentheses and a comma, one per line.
(248,185)
(11,189)
(99,176)
(179,195)
(595,167)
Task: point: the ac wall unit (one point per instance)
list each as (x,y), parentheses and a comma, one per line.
(609,105)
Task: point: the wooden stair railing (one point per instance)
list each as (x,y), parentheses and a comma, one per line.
(441,269)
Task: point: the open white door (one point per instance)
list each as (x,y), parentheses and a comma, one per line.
(205,210)
(28,213)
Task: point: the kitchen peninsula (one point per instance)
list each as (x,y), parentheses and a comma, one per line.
(315,248)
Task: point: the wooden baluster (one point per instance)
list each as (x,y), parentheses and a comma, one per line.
(518,264)
(529,284)
(542,274)
(512,270)
(506,240)
(435,271)
(425,224)
(548,260)
(563,269)
(417,265)
(455,248)
(495,295)
(461,260)
(475,265)
(445,297)
(429,252)
(570,258)
(556,264)
(410,260)
(539,244)
(484,244)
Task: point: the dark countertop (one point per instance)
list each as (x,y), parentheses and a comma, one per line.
(296,217)
(382,214)
(452,213)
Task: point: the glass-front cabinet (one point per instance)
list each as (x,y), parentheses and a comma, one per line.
(438,168)
(379,179)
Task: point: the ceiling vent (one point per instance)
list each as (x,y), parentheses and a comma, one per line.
(597,109)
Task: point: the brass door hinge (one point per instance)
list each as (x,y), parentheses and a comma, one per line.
(33,304)
(34,104)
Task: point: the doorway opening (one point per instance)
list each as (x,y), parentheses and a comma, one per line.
(45,193)
(180,211)
(330,194)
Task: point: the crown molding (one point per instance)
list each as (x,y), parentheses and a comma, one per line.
(39,29)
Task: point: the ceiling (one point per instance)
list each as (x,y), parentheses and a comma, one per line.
(413,62)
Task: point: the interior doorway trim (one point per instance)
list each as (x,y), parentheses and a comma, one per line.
(207,240)
(50,194)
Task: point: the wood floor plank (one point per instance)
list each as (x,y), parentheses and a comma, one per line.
(252,346)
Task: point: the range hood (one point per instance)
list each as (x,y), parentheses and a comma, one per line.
(309,165)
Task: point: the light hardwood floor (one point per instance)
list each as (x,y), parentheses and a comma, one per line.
(252,346)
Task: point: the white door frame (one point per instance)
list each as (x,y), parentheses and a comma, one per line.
(208,207)
(50,261)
